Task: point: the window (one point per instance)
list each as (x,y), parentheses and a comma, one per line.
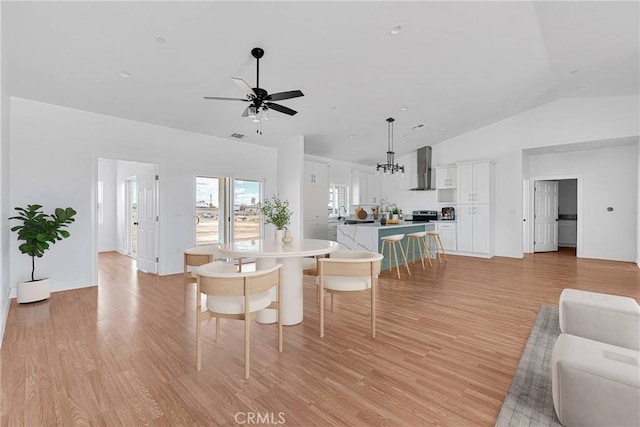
(338,200)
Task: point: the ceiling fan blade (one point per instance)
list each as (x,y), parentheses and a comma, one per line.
(225,99)
(284,95)
(244,86)
(280,108)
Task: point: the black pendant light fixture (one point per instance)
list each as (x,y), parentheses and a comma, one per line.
(391,168)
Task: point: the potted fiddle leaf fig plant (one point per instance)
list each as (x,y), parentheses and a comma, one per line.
(38,231)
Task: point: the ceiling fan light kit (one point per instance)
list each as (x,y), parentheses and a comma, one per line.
(261,102)
(390,168)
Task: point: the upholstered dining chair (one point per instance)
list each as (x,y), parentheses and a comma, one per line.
(348,271)
(195,257)
(237,295)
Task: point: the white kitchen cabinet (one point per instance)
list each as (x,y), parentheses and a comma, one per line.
(473,229)
(315,229)
(446,177)
(333,231)
(474,209)
(315,200)
(365,188)
(567,233)
(316,173)
(474,182)
(448,235)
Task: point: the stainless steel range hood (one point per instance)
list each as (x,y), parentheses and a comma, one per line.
(424,169)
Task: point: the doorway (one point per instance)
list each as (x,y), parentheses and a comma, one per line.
(127,219)
(131,215)
(553,205)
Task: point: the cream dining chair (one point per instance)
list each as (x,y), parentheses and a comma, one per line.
(195,257)
(235,296)
(348,271)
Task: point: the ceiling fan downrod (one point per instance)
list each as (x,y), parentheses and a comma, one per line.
(257,53)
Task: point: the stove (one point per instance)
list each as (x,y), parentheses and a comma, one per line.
(423,216)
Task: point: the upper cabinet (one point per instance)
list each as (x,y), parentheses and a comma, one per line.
(446,183)
(316,173)
(474,183)
(445,177)
(365,188)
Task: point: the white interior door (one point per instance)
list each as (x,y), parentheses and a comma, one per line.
(147,206)
(546,216)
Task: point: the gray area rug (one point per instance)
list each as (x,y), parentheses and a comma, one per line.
(529,401)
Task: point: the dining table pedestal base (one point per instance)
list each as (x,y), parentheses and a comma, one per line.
(291,280)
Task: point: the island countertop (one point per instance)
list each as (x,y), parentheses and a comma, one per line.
(377,225)
(367,236)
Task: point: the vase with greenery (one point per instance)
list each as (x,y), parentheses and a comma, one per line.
(38,231)
(276,212)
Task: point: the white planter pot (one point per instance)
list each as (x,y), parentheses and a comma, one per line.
(33,291)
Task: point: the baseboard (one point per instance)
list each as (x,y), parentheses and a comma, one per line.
(471,254)
(6,302)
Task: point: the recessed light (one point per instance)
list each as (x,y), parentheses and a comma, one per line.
(404,108)
(352,136)
(441,129)
(161,40)
(395,30)
(581,88)
(125,74)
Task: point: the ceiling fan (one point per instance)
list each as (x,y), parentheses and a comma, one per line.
(260,100)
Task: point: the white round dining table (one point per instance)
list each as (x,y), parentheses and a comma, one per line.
(267,252)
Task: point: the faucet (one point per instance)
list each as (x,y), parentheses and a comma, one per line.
(339,210)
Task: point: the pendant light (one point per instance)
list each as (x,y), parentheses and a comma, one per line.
(390,167)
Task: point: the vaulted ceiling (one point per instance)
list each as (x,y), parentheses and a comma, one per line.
(453,67)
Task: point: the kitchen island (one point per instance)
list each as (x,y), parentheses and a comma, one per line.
(366,237)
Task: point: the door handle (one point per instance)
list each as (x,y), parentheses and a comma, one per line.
(197,219)
(135,223)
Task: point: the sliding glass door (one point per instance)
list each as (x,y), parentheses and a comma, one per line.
(246,215)
(209,210)
(226,209)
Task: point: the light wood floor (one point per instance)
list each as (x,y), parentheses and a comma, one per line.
(448,342)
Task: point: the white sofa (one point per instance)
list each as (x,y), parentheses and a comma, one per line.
(606,318)
(594,383)
(595,368)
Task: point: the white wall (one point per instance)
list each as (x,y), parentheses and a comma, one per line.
(5,207)
(563,121)
(107,230)
(608,179)
(54,157)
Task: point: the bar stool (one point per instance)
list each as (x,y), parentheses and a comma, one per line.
(418,238)
(433,240)
(392,242)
